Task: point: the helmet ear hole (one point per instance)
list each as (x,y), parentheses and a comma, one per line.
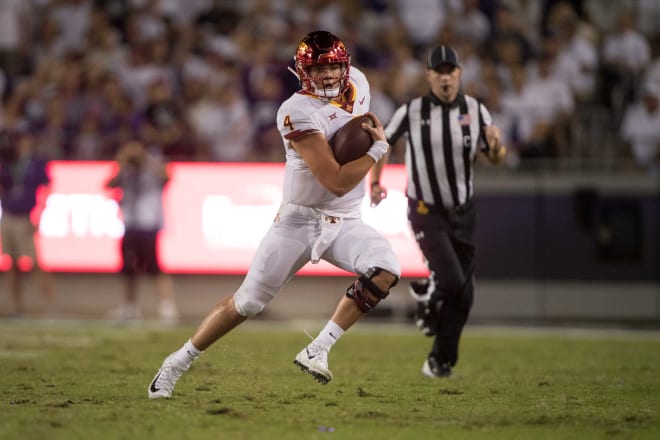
(321,48)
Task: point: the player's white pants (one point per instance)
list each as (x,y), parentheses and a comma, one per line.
(287,247)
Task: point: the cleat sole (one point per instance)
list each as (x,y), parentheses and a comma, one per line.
(320,378)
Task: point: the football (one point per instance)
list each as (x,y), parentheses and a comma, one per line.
(352,141)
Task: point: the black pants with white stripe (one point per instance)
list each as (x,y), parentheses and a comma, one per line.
(446,239)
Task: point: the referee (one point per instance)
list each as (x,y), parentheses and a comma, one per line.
(443,130)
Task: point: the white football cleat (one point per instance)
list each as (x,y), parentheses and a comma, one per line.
(163,383)
(313,359)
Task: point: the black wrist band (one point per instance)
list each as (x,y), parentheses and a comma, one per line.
(374,183)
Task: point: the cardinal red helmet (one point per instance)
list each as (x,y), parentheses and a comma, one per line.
(321,48)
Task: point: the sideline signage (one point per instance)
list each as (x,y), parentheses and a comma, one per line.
(215,217)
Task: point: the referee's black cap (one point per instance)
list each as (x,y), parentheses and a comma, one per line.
(442,55)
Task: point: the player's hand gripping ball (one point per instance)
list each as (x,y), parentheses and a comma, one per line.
(352,141)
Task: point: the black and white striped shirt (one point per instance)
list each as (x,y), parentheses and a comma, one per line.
(441,145)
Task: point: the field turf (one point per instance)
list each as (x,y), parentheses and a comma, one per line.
(77,380)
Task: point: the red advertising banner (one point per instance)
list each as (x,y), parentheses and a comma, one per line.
(215,216)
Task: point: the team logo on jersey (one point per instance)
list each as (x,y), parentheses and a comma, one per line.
(333,116)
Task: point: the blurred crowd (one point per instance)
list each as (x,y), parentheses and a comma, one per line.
(201,80)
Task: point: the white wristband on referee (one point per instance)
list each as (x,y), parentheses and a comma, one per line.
(378,150)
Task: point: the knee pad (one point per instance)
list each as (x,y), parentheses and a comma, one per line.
(356,291)
(251,303)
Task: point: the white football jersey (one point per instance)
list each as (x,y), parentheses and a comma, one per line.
(303,114)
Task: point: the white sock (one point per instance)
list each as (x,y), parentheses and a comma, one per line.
(186,354)
(329,335)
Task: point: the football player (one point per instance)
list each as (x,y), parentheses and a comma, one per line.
(319,217)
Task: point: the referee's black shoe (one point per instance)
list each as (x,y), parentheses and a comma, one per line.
(433,368)
(425,313)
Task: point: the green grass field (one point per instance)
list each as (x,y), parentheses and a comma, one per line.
(68,380)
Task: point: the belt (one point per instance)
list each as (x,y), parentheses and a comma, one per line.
(423,208)
(330,222)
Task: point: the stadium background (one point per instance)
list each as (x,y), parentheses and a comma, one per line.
(569,235)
